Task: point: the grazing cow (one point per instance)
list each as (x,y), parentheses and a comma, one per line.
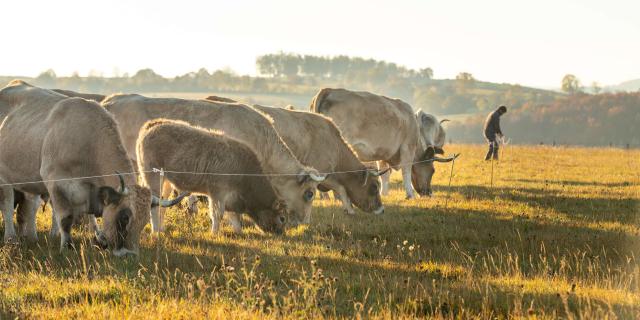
(382,129)
(50,138)
(304,132)
(89,96)
(293,182)
(176,146)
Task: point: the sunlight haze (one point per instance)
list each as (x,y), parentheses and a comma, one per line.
(531,43)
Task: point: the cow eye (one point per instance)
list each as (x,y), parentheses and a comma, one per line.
(308,195)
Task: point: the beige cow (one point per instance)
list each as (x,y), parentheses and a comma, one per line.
(316,141)
(47,142)
(384,130)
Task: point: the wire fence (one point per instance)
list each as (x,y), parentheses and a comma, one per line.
(161,171)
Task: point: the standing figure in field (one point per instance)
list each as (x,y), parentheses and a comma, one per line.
(382,129)
(492,132)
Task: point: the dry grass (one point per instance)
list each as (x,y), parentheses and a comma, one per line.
(558,235)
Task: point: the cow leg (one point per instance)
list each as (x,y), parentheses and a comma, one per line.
(192,204)
(55,227)
(93,224)
(27,217)
(406,181)
(236,222)
(385,178)
(216,212)
(6,206)
(341,194)
(64,215)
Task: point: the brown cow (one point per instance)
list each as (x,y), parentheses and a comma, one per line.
(176,146)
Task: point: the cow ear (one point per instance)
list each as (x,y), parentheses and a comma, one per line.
(303,177)
(108,195)
(439,150)
(421,116)
(430,153)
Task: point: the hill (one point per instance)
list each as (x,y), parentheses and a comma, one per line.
(631,85)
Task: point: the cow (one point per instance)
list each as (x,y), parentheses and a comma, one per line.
(19,197)
(384,130)
(432,133)
(89,96)
(304,132)
(230,174)
(294,183)
(70,149)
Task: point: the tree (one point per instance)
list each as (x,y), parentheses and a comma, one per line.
(595,87)
(570,84)
(426,73)
(47,78)
(464,80)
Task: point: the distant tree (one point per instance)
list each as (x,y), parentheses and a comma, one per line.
(147,79)
(570,84)
(426,73)
(465,76)
(47,78)
(464,80)
(595,87)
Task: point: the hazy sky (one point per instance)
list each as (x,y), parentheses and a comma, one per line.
(526,42)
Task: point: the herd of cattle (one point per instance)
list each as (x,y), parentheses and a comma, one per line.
(97,155)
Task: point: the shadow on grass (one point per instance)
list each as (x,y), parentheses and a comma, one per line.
(621,210)
(575,183)
(350,248)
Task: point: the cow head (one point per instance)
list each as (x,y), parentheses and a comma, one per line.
(364,190)
(422,171)
(273,219)
(298,192)
(125,212)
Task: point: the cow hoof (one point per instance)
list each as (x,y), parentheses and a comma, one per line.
(32,237)
(349,212)
(13,239)
(124,252)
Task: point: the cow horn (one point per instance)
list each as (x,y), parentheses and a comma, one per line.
(123,188)
(155,201)
(444,120)
(449,159)
(377,173)
(317,177)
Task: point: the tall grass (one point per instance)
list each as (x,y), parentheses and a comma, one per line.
(558,235)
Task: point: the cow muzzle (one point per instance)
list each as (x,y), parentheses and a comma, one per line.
(380,210)
(123,252)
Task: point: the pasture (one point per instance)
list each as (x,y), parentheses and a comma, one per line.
(556,235)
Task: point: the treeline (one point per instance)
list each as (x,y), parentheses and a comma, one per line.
(304,75)
(578,119)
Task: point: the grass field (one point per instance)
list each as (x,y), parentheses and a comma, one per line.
(557,235)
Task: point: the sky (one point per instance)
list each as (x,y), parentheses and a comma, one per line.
(532,43)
